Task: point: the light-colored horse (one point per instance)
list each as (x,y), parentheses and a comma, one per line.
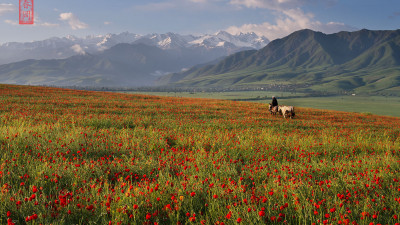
(287,111)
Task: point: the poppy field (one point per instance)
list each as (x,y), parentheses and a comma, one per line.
(80,157)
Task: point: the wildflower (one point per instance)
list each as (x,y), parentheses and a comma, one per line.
(148,216)
(10,222)
(90,207)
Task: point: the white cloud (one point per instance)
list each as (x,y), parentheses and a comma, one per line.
(7,8)
(268,4)
(288,21)
(12,22)
(73,21)
(78,49)
(289,18)
(46,24)
(38,22)
(107,23)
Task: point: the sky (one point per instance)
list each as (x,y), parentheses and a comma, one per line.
(271,18)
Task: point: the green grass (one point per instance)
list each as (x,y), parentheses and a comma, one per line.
(78,157)
(378,105)
(386,106)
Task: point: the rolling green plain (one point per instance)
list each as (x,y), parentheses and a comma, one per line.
(378,105)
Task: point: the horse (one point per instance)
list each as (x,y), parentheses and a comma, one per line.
(272,110)
(287,111)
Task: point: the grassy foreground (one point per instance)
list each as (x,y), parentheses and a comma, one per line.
(78,157)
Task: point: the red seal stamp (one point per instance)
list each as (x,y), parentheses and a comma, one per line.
(25,11)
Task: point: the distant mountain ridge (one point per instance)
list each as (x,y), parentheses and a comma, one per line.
(60,48)
(124,59)
(364,61)
(119,66)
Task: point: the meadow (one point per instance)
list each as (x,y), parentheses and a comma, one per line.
(80,157)
(378,105)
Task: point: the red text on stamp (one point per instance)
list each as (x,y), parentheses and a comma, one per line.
(25,11)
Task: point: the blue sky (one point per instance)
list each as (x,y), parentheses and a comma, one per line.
(271,18)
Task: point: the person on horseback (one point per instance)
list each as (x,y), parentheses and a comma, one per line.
(274,101)
(273,107)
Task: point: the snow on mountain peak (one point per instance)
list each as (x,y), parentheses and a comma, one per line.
(61,47)
(165,42)
(250,40)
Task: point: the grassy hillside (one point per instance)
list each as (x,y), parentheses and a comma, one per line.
(78,157)
(362,62)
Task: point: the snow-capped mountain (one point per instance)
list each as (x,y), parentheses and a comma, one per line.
(109,40)
(249,40)
(219,39)
(167,41)
(59,48)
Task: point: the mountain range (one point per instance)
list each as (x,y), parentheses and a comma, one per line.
(61,48)
(115,60)
(363,61)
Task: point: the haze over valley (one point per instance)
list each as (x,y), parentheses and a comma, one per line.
(115,59)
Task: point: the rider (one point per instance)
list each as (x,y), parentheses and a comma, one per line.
(274,101)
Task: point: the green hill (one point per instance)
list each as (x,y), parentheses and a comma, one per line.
(363,61)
